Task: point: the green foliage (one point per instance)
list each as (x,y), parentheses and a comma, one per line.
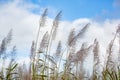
(11,73)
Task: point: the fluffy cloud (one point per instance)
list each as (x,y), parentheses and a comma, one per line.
(25,25)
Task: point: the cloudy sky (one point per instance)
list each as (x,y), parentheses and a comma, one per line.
(23,17)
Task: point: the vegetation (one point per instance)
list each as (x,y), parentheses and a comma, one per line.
(45,65)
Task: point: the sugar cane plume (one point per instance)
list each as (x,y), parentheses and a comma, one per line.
(41,24)
(118,29)
(71,45)
(80,34)
(109,62)
(44,42)
(13,53)
(43,18)
(5,43)
(3,46)
(32,55)
(55,25)
(96,59)
(82,31)
(82,53)
(58,51)
(71,37)
(96,49)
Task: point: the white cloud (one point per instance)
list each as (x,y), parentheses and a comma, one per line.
(25,25)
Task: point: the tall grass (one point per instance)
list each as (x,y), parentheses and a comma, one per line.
(45,65)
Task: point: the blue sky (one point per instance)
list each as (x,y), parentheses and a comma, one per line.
(74,9)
